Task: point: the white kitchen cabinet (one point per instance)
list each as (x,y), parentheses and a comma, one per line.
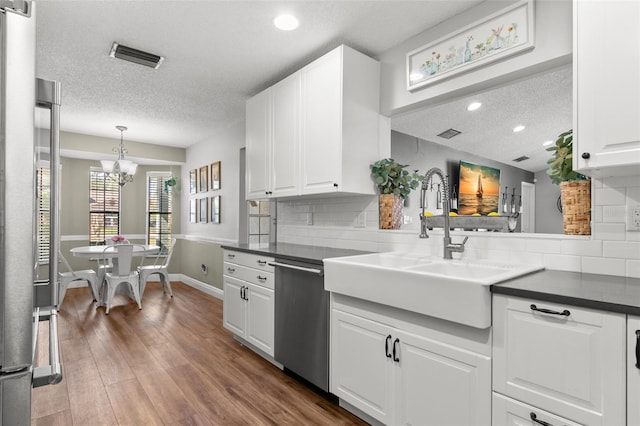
(566,360)
(316,131)
(606,58)
(633,370)
(340,122)
(272,141)
(509,412)
(249,299)
(392,372)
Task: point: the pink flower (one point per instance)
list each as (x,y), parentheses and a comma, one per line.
(118,239)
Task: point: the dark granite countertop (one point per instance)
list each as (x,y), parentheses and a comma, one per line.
(604,292)
(303,253)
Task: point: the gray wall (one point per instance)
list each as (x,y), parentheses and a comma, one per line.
(548,217)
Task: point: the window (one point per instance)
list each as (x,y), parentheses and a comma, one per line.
(259,221)
(44,217)
(159,210)
(104,207)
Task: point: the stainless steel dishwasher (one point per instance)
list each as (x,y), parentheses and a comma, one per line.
(302,321)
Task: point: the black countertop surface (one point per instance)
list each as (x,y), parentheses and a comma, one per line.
(604,292)
(299,252)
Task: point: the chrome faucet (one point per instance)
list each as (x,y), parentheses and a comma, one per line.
(449,247)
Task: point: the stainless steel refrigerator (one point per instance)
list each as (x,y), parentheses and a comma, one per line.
(19,315)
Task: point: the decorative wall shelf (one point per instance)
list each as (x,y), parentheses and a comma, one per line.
(471,223)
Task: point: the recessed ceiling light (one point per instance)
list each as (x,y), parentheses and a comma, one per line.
(518,128)
(286,22)
(474,106)
(547,143)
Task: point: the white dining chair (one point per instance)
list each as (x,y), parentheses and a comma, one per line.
(160,269)
(122,273)
(71,276)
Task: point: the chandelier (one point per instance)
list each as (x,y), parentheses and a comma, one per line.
(121,170)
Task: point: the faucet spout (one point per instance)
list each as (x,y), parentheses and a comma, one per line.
(449,247)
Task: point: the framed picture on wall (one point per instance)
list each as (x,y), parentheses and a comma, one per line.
(193,179)
(215,175)
(215,209)
(204,211)
(204,179)
(479,189)
(192,210)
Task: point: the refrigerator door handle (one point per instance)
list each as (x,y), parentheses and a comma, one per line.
(49,374)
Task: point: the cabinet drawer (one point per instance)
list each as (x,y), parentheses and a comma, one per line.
(250,260)
(251,275)
(509,412)
(571,362)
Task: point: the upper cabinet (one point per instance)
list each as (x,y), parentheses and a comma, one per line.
(316,131)
(607,87)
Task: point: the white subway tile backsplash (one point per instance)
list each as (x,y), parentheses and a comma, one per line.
(620,182)
(610,196)
(609,231)
(581,247)
(543,246)
(563,262)
(621,249)
(603,265)
(633,268)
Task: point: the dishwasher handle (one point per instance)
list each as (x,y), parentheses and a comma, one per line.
(298,268)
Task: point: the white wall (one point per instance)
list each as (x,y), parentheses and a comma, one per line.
(225,147)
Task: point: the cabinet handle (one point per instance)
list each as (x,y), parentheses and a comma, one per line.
(564,313)
(586,155)
(386,346)
(262,278)
(231,255)
(638,349)
(396,357)
(335,185)
(242,292)
(540,422)
(262,262)
(231,270)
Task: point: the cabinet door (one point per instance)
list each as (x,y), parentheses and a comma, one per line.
(572,364)
(233,312)
(361,373)
(260,317)
(285,137)
(439,384)
(258,145)
(509,412)
(322,124)
(607,83)
(633,370)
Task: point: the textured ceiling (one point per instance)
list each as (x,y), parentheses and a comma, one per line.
(542,103)
(218,54)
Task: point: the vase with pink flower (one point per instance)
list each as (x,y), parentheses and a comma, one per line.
(118,239)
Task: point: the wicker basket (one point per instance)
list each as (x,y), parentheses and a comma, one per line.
(390,211)
(576,207)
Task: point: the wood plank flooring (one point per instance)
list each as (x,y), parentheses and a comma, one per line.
(172,363)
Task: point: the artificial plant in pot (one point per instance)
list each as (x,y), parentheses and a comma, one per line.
(575,188)
(395,183)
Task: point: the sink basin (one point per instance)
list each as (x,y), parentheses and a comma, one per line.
(454,290)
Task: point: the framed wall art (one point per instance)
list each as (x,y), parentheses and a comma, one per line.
(193,179)
(215,209)
(204,179)
(192,210)
(478,189)
(498,36)
(215,175)
(203,210)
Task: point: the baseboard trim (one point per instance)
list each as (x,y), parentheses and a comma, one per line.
(198,285)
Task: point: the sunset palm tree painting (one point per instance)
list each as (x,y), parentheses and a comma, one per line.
(479,189)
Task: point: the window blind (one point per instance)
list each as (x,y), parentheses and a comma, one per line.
(159,206)
(104,207)
(44,216)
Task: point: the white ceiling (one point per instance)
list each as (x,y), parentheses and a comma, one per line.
(220,53)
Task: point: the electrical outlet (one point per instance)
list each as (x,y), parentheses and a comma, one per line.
(633,217)
(204,269)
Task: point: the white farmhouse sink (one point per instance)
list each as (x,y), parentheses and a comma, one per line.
(454,290)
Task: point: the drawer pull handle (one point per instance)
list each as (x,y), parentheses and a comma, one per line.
(396,357)
(231,270)
(564,313)
(386,346)
(230,255)
(638,349)
(262,278)
(262,262)
(540,422)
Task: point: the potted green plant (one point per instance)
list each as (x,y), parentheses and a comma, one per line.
(394,183)
(171,182)
(575,188)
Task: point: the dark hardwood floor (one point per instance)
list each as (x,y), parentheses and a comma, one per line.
(170,363)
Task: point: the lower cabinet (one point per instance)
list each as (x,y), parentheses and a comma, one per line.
(249,303)
(633,370)
(509,412)
(565,360)
(399,376)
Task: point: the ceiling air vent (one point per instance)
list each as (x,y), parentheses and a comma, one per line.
(136,56)
(448,134)
(519,159)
